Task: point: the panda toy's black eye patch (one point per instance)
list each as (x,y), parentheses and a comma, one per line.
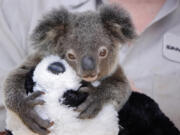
(56,68)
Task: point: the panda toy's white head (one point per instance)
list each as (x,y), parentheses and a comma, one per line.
(54,73)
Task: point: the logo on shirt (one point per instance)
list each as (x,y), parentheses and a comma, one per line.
(171,47)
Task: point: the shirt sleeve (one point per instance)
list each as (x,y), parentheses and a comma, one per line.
(13,35)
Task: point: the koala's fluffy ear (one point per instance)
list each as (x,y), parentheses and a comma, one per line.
(118,23)
(52,27)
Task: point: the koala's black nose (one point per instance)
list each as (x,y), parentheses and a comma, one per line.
(88,63)
(56,68)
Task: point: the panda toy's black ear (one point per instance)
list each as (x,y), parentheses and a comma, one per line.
(52,27)
(29,83)
(118,23)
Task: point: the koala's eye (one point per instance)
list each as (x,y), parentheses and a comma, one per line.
(56,68)
(71,56)
(103,51)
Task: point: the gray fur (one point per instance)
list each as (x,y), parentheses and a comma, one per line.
(84,33)
(118,22)
(17,100)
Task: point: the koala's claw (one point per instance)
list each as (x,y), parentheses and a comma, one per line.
(84,89)
(89,109)
(41,122)
(36,124)
(36,102)
(34,95)
(83,106)
(30,117)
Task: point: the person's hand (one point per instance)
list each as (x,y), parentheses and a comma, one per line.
(133,87)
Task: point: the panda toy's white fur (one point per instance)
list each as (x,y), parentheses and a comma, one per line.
(64,117)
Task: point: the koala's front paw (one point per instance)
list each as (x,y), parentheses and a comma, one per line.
(30,117)
(90,107)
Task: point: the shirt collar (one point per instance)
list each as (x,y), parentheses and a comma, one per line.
(168,7)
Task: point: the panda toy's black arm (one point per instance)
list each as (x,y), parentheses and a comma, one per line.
(140,115)
(74,98)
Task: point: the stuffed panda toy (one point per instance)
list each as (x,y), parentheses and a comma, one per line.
(139,116)
(58,81)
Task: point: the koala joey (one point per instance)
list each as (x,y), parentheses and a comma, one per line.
(89,41)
